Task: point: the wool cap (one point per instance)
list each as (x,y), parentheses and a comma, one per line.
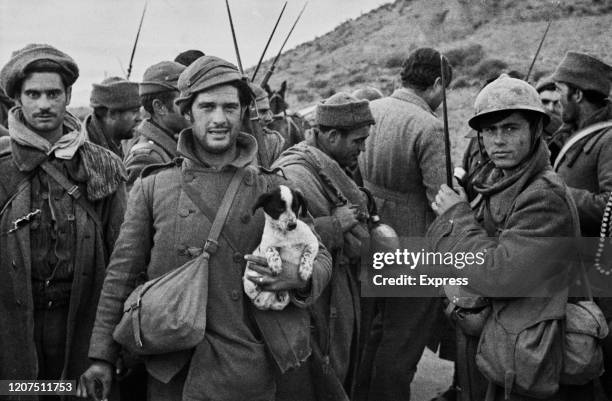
(503,94)
(205,73)
(343,111)
(14,71)
(261,96)
(585,72)
(115,93)
(160,77)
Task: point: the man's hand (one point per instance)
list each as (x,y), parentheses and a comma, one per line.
(447,198)
(346,216)
(287,279)
(96,381)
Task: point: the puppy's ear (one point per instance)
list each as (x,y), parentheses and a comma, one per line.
(301,201)
(261,201)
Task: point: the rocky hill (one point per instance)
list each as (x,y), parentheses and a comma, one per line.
(480,37)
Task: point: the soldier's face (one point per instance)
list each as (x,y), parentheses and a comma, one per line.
(508,141)
(550,100)
(569,106)
(345,149)
(173,119)
(216,118)
(124,122)
(43,100)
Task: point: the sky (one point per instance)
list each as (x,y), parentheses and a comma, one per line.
(99,34)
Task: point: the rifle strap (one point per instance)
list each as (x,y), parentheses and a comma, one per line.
(577,137)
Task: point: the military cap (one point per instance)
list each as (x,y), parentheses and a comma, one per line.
(343,111)
(160,77)
(545,83)
(503,94)
(205,73)
(115,93)
(585,72)
(15,70)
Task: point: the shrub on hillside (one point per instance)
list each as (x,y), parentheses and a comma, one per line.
(394,60)
(465,56)
(489,67)
(357,79)
(318,83)
(463,81)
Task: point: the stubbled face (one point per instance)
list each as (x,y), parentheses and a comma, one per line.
(216,118)
(508,141)
(345,149)
(43,99)
(570,112)
(550,100)
(173,120)
(125,121)
(282,207)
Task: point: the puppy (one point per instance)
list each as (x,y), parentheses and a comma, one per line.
(285,239)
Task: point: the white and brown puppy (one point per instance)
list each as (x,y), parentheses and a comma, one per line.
(285,239)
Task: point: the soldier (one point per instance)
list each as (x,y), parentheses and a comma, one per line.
(401,166)
(340,209)
(116,112)
(156,143)
(519,204)
(550,100)
(169,216)
(585,161)
(5,105)
(62,201)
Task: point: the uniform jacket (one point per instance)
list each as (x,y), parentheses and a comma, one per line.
(163,229)
(18,358)
(153,146)
(510,224)
(587,170)
(312,171)
(403,161)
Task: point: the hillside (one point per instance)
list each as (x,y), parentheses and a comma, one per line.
(479,37)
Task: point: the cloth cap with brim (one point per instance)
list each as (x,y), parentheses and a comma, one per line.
(343,111)
(14,71)
(545,83)
(115,93)
(261,96)
(504,94)
(585,72)
(161,77)
(205,73)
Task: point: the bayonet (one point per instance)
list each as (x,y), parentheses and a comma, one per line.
(268,43)
(229,14)
(271,70)
(129,70)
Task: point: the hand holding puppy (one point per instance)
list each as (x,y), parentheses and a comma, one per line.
(267,280)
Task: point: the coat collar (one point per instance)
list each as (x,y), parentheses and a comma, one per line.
(246,144)
(162,137)
(409,96)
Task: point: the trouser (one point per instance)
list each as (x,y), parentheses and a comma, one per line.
(50,329)
(400,331)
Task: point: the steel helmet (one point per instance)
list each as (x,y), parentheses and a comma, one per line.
(506,93)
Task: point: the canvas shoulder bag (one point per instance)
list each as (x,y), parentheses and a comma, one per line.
(168,313)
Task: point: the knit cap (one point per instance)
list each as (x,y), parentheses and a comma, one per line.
(205,73)
(343,111)
(160,77)
(14,71)
(115,93)
(585,72)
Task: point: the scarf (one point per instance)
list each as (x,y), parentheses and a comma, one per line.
(95,133)
(64,148)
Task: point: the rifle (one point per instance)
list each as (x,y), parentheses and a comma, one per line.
(447,149)
(229,14)
(129,70)
(540,46)
(268,43)
(271,70)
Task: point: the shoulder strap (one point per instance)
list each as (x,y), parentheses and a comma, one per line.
(151,145)
(577,137)
(20,187)
(212,242)
(72,189)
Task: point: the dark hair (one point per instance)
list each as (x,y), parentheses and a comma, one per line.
(166,97)
(43,65)
(100,111)
(591,96)
(548,87)
(325,128)
(422,67)
(244,96)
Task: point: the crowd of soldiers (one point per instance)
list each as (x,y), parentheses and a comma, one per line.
(92,209)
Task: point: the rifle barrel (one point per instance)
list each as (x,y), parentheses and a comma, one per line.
(268,43)
(129,71)
(229,14)
(447,147)
(538,51)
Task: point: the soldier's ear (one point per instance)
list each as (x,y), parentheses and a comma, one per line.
(68,95)
(302,202)
(261,201)
(578,95)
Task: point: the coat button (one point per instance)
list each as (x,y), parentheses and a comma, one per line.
(237,257)
(50,304)
(18,302)
(249,179)
(245,218)
(183,212)
(235,294)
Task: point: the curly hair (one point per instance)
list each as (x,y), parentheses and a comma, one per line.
(422,67)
